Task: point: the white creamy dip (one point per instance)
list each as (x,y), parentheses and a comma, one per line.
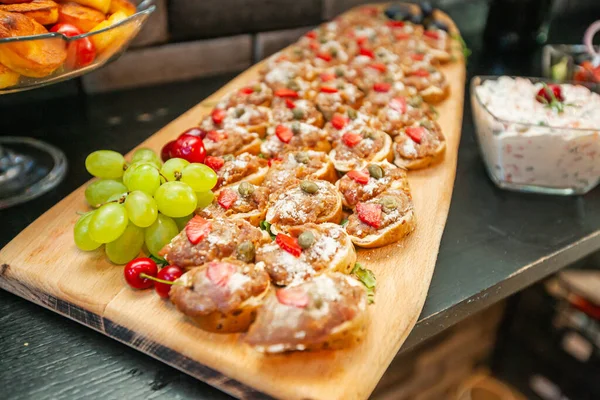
(530,146)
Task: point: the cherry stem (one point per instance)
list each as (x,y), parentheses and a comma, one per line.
(155,279)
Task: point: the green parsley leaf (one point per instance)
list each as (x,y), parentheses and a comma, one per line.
(159,261)
(465,49)
(344,222)
(265,226)
(367,278)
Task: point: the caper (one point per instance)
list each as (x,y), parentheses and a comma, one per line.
(352,113)
(340,86)
(246,189)
(302,157)
(375,171)
(388,79)
(322,40)
(339,72)
(368,134)
(239,112)
(333,52)
(228,157)
(298,51)
(426,124)
(293,85)
(389,204)
(296,127)
(257,88)
(309,187)
(415,101)
(298,113)
(306,239)
(245,251)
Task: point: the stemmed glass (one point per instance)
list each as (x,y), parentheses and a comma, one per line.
(30,167)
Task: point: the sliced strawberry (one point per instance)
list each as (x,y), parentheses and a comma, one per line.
(351,139)
(361,41)
(227,198)
(325,77)
(395,24)
(378,66)
(288,244)
(292,94)
(311,34)
(216,136)
(218,115)
(417,56)
(398,104)
(369,213)
(325,56)
(382,87)
(294,296)
(339,121)
(216,163)
(432,34)
(274,160)
(359,177)
(423,73)
(220,272)
(197,229)
(284,133)
(314,46)
(328,89)
(247,90)
(415,133)
(366,52)
(289,103)
(402,36)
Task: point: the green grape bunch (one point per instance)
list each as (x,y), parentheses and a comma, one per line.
(139,205)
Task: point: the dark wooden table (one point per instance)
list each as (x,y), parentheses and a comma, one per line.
(495,242)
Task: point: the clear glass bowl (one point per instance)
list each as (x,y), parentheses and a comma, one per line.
(560,62)
(533,157)
(30,62)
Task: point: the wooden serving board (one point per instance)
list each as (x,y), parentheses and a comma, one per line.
(43,265)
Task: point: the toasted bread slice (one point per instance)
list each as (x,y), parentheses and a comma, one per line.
(8,78)
(44,12)
(122,5)
(241,200)
(33,58)
(221,296)
(292,318)
(84,18)
(346,159)
(400,221)
(101,5)
(430,149)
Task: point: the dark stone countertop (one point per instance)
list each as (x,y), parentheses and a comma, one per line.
(495,242)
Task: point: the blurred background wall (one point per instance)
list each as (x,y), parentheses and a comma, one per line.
(194,38)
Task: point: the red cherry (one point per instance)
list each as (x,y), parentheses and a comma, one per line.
(169,274)
(138,266)
(166,151)
(80,52)
(201,133)
(190,148)
(66,29)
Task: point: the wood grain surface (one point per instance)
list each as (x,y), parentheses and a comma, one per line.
(43,265)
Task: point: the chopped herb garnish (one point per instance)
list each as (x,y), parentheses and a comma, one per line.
(159,261)
(367,278)
(266,226)
(344,222)
(464,48)
(261,155)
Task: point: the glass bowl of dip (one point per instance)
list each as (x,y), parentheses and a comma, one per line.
(532,147)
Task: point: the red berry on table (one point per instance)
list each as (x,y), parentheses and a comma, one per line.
(138,266)
(292,94)
(227,198)
(220,272)
(359,177)
(166,152)
(80,52)
(398,104)
(197,229)
(288,244)
(382,87)
(351,139)
(218,115)
(369,213)
(215,163)
(201,133)
(190,148)
(170,274)
(339,121)
(293,296)
(284,133)
(366,52)
(416,133)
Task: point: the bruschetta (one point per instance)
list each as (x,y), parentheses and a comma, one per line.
(307,250)
(232,169)
(242,200)
(221,296)
(254,119)
(357,148)
(294,136)
(326,312)
(295,165)
(236,140)
(255,93)
(419,145)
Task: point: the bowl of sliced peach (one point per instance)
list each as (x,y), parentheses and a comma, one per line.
(48,41)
